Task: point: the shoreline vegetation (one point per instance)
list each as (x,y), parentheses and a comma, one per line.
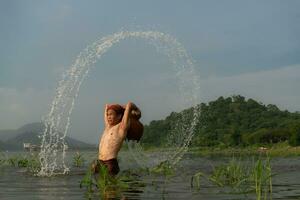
(276,150)
(282,149)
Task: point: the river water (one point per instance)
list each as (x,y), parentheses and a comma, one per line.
(15,183)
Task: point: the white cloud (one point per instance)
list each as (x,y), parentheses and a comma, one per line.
(278,86)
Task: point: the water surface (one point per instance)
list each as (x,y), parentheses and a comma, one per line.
(16,183)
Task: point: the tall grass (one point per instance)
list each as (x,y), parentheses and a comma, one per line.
(78,160)
(163,168)
(241,177)
(234,175)
(30,162)
(2,159)
(103,184)
(262,177)
(196,178)
(281,149)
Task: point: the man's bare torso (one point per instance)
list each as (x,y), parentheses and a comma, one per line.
(110,143)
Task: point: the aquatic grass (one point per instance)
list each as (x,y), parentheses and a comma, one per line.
(281,149)
(30,162)
(22,162)
(16,161)
(262,177)
(196,179)
(163,168)
(257,175)
(78,160)
(2,159)
(89,183)
(104,180)
(234,174)
(103,183)
(242,178)
(166,170)
(12,161)
(34,164)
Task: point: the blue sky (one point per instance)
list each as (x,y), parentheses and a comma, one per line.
(239,47)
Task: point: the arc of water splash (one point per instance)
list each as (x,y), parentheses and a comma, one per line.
(57,121)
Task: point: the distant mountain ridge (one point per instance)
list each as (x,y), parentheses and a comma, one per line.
(14,139)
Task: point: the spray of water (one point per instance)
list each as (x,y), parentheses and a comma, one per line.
(57,122)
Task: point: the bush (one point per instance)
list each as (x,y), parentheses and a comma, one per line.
(295,137)
(265,136)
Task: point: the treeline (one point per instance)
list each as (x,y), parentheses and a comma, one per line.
(231,121)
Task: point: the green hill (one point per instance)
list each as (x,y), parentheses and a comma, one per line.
(229,121)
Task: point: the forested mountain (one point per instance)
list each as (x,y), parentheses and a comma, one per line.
(230,121)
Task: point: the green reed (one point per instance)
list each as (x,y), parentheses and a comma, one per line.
(78,160)
(89,183)
(262,178)
(103,183)
(163,168)
(33,164)
(234,175)
(2,159)
(196,179)
(30,162)
(12,161)
(255,177)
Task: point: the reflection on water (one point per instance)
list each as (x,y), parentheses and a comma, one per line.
(15,183)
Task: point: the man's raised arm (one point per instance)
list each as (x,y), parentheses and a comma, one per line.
(125,123)
(105,116)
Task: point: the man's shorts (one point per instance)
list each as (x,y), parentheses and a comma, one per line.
(111,164)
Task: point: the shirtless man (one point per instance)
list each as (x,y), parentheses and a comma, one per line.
(117,122)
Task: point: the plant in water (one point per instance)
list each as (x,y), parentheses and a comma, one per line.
(164,168)
(167,170)
(103,183)
(89,183)
(12,161)
(23,162)
(2,159)
(78,160)
(33,164)
(195,180)
(262,178)
(107,182)
(233,175)
(241,178)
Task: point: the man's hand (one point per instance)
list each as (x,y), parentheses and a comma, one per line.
(134,110)
(130,104)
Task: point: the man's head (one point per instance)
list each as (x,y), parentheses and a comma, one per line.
(114,114)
